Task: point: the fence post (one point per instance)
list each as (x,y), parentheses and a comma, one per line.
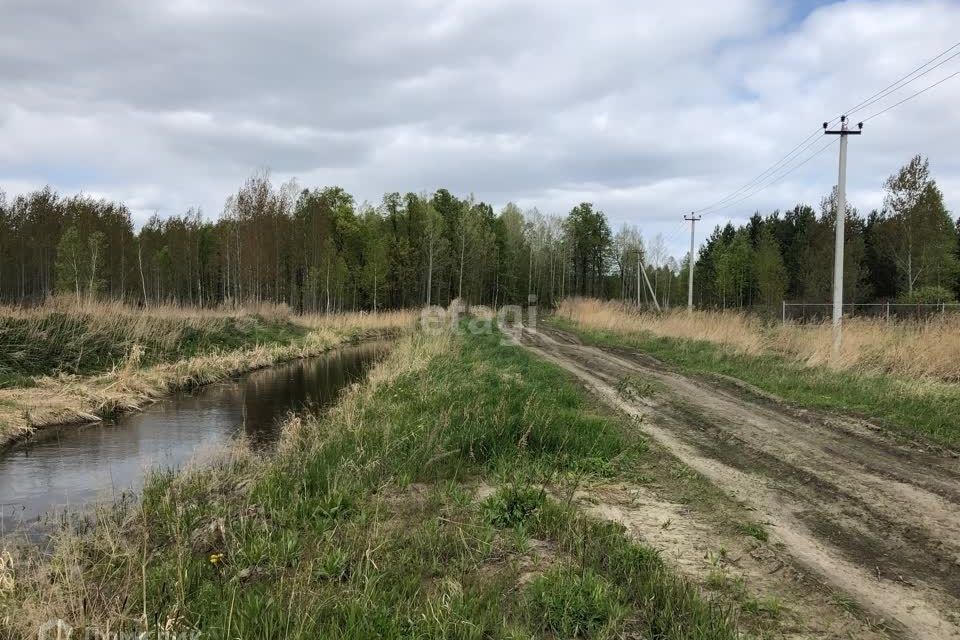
(783,312)
(888,312)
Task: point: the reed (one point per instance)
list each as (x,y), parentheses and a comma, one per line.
(64,363)
(927,350)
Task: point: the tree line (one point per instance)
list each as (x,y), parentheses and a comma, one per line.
(318,250)
(908,251)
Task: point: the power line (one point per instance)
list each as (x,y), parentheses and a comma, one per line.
(896,86)
(803,145)
(763,174)
(776,178)
(911,97)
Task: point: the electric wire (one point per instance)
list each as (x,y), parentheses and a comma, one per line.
(899,84)
(805,144)
(763,174)
(777,178)
(912,96)
(763,183)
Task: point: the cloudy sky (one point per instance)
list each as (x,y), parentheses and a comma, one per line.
(647,109)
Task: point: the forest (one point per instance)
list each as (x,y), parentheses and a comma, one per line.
(318,250)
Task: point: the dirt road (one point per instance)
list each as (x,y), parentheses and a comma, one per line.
(877,519)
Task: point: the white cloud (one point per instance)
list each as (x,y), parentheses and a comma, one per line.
(647,109)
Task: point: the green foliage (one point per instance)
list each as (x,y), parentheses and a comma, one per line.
(590,239)
(86,343)
(513,505)
(754,531)
(571,603)
(769,270)
(70,262)
(927,295)
(318,250)
(733,270)
(917,230)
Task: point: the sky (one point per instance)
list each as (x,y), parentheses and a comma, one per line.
(649,110)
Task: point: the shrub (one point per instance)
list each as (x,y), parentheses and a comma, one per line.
(927,295)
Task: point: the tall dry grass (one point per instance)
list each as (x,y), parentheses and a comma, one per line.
(928,350)
(64,362)
(363,321)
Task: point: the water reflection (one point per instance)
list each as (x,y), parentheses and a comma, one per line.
(71,467)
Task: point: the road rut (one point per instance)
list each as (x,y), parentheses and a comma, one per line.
(878,519)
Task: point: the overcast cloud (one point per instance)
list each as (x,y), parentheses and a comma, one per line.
(647,109)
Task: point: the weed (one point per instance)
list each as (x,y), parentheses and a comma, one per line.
(846,603)
(719,579)
(574,604)
(513,506)
(768,607)
(333,565)
(594,466)
(753,530)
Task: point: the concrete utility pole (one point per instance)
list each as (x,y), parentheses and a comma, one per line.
(843,132)
(653,294)
(693,223)
(638,276)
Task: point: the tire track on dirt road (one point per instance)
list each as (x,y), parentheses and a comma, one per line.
(877,519)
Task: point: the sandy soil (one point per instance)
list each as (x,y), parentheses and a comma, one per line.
(875,519)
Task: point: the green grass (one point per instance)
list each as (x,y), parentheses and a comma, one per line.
(928,409)
(767,607)
(365,524)
(571,603)
(754,531)
(513,506)
(84,343)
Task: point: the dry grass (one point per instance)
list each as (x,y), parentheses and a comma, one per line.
(63,586)
(928,350)
(384,320)
(112,317)
(228,342)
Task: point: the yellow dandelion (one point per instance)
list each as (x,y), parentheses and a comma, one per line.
(216,558)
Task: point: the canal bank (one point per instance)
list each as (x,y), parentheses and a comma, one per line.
(63,470)
(135,380)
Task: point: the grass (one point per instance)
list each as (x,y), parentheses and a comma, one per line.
(908,404)
(571,603)
(754,531)
(63,363)
(365,523)
(63,337)
(928,350)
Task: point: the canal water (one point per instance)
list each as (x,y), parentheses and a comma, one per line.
(64,470)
